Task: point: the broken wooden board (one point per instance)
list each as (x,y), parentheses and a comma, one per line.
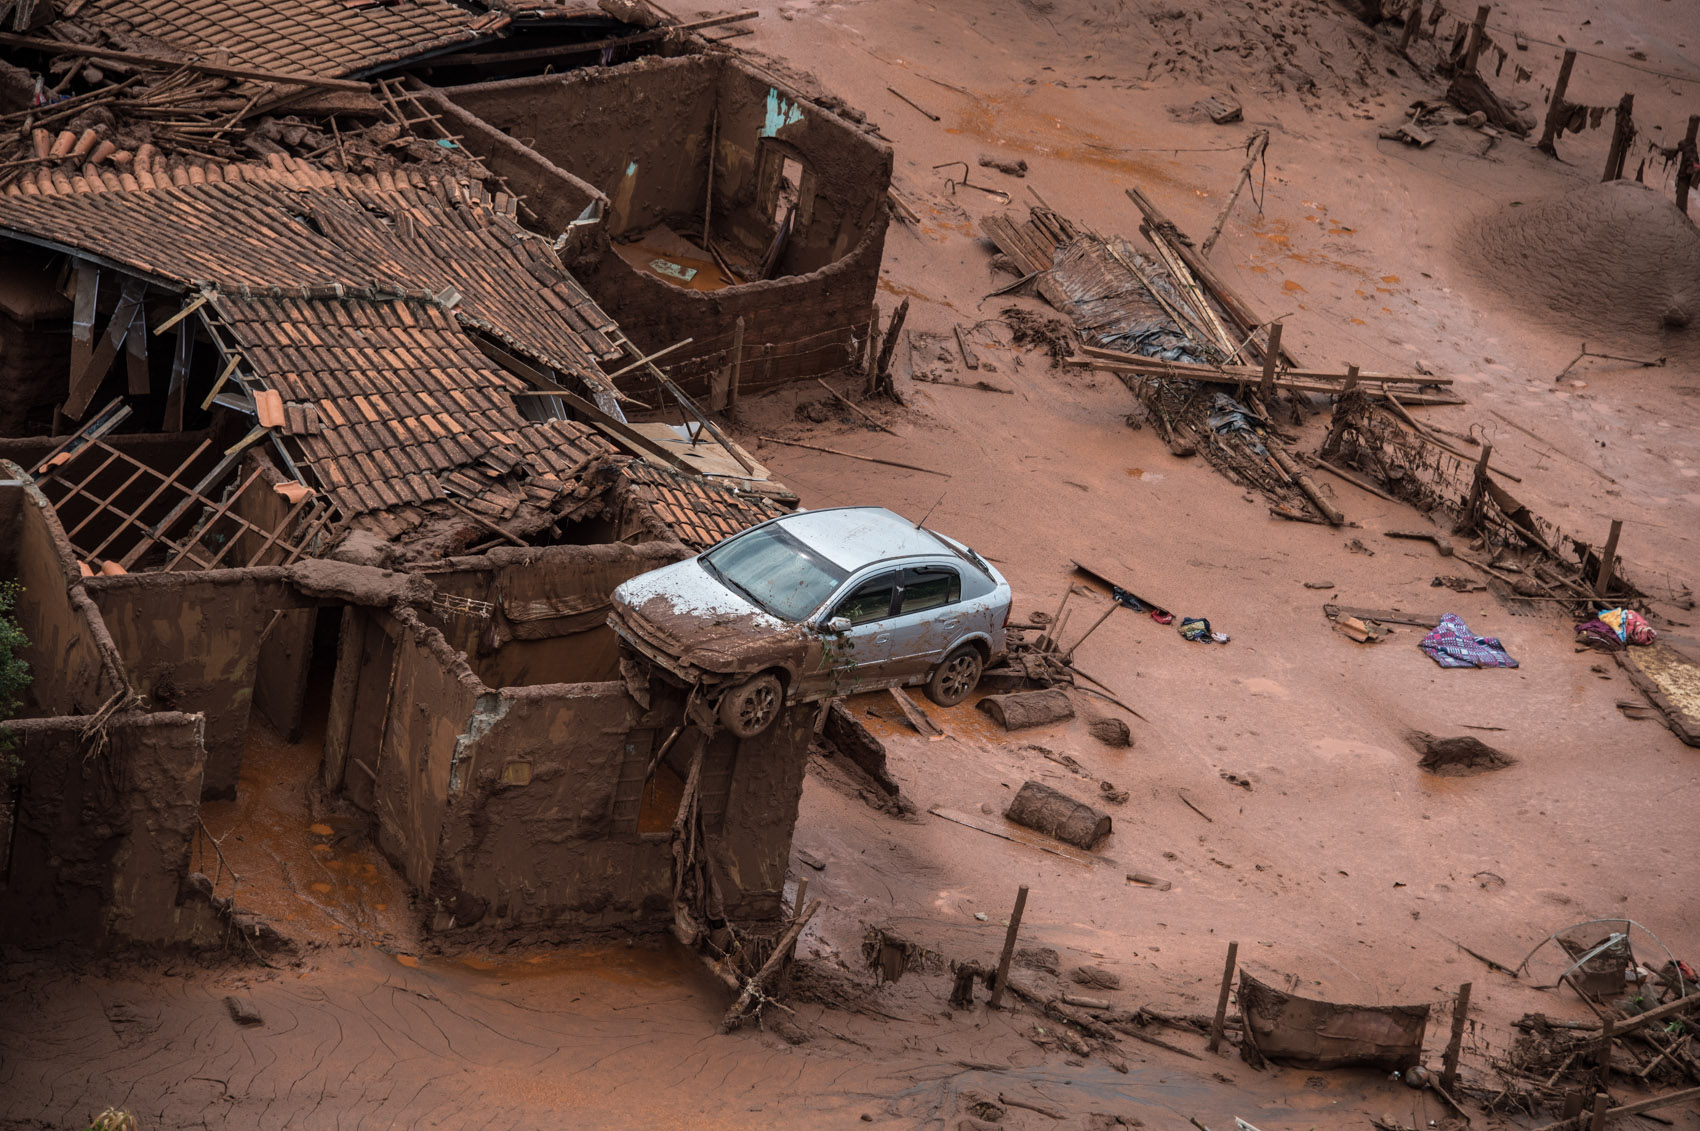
(1019,835)
(1107,579)
(1671,682)
(1385,616)
(917,717)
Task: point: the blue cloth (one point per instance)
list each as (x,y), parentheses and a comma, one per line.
(1451,644)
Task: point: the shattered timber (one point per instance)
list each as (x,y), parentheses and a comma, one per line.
(1036,565)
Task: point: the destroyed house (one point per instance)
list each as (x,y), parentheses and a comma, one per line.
(346,447)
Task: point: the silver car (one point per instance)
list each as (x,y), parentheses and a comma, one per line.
(814,605)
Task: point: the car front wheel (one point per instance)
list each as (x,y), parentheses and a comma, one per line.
(751,707)
(956,678)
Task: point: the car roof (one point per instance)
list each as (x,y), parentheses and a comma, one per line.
(852,537)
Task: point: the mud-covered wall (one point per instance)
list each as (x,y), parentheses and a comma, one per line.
(637,133)
(432,704)
(527,806)
(554,197)
(549,618)
(543,830)
(760,815)
(286,652)
(103,837)
(190,642)
(74,664)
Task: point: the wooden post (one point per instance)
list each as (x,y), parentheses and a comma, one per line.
(881,377)
(1478,34)
(1221,1018)
(1556,108)
(737,365)
(1685,163)
(1620,138)
(1460,1010)
(1008,939)
(1254,149)
(1271,361)
(802,892)
(1351,379)
(1607,1032)
(1478,484)
(1608,560)
(866,363)
(1413,21)
(1598,1121)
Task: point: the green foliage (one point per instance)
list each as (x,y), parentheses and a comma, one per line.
(113,1119)
(14,672)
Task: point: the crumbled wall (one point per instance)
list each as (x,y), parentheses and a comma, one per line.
(549,618)
(73,661)
(639,134)
(520,807)
(103,839)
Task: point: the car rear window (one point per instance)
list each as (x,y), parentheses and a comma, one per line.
(929,588)
(776,571)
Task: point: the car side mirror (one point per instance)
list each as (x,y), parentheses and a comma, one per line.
(838,625)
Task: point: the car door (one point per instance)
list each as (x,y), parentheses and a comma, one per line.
(856,659)
(926,621)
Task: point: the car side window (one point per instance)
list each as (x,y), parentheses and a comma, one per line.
(869,601)
(928,587)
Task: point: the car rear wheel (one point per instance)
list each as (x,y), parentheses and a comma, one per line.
(956,678)
(751,707)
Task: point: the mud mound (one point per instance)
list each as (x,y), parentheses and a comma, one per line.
(1609,258)
(1457,757)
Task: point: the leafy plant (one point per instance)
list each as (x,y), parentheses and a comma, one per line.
(14,670)
(113,1119)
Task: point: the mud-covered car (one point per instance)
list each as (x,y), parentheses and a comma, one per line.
(817,604)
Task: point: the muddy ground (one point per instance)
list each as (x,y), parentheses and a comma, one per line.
(1342,870)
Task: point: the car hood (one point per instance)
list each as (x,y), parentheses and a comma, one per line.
(682,610)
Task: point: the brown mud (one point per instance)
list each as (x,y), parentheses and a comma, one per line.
(1270,781)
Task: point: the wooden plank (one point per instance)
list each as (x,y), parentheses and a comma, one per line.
(917,717)
(1651,1104)
(82,322)
(57,47)
(85,384)
(104,421)
(1384,616)
(139,384)
(529,53)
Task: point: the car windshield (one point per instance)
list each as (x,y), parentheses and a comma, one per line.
(776,571)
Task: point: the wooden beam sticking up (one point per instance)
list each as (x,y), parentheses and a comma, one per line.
(1219,1022)
(1254,149)
(1008,947)
(1557,108)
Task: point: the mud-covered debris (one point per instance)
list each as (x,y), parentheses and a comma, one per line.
(1039,807)
(1021,709)
(1456,757)
(242,1011)
(1039,331)
(1015,168)
(1095,977)
(1111,732)
(1109,792)
(1041,958)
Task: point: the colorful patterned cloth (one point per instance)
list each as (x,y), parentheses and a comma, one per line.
(1452,645)
(1612,629)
